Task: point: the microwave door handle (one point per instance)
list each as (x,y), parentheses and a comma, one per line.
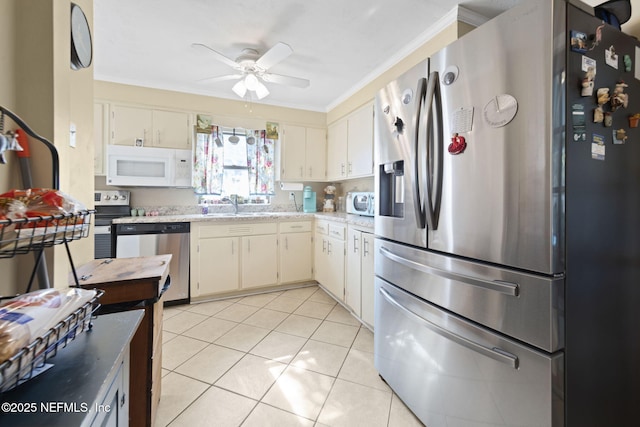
(417,201)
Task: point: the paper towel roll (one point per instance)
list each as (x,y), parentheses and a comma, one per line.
(291,186)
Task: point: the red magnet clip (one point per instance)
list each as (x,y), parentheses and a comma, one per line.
(458,144)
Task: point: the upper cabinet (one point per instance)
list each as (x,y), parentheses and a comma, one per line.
(350,145)
(303,155)
(155,128)
(100,136)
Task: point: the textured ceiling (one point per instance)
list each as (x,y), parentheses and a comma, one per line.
(338,45)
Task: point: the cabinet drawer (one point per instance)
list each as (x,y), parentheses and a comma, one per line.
(238,230)
(322,227)
(295,227)
(337,230)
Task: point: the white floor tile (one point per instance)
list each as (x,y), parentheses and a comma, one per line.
(179,350)
(259,300)
(211,329)
(268,416)
(266,318)
(210,364)
(279,346)
(300,293)
(354,405)
(252,376)
(364,340)
(285,304)
(299,325)
(321,296)
(236,312)
(340,314)
(182,321)
(321,357)
(300,391)
(167,336)
(209,308)
(335,333)
(177,393)
(242,337)
(216,407)
(401,416)
(358,367)
(317,310)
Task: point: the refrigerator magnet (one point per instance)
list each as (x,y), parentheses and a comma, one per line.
(619,136)
(627,63)
(578,41)
(611,57)
(597,147)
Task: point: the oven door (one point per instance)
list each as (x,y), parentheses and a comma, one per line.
(102,237)
(450,371)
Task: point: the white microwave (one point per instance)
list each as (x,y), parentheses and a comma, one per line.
(148,166)
(361,203)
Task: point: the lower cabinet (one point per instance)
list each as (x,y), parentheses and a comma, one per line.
(295,252)
(231,257)
(330,256)
(359,290)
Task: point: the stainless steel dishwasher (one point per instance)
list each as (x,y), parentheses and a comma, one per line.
(145,239)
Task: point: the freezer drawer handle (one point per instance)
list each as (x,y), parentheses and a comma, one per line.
(507,288)
(494,353)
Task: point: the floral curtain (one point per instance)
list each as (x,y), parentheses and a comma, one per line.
(209,169)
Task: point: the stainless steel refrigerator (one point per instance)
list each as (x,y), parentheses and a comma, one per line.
(508,225)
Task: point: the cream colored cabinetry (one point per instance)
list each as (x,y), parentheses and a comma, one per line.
(359,292)
(229,257)
(350,145)
(330,256)
(295,252)
(303,153)
(100,136)
(259,260)
(155,128)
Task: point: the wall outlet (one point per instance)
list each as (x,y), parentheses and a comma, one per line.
(292,196)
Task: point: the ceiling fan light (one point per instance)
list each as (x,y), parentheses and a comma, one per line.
(240,89)
(261,91)
(251,82)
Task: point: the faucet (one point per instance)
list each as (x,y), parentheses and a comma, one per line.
(233,199)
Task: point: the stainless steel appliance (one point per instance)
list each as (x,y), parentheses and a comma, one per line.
(507,259)
(109,205)
(361,203)
(146,239)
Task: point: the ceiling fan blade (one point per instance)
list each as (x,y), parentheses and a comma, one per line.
(220,78)
(286,80)
(274,55)
(220,57)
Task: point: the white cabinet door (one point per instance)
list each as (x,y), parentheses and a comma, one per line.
(100,136)
(337,150)
(335,262)
(360,143)
(367,278)
(295,257)
(219,268)
(171,129)
(353,282)
(316,155)
(293,152)
(129,124)
(259,260)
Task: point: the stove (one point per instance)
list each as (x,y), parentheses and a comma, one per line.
(109,204)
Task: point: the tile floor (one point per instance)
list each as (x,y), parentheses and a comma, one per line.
(289,358)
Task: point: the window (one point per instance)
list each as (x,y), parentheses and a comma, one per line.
(234,161)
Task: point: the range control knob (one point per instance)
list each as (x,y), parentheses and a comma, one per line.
(123,196)
(115,197)
(107,197)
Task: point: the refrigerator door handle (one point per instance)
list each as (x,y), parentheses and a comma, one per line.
(434,180)
(417,202)
(507,288)
(494,353)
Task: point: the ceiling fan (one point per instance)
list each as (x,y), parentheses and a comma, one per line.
(252,69)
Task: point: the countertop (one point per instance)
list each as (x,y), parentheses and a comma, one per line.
(362,221)
(77,377)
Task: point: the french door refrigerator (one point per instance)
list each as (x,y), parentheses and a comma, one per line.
(508,225)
